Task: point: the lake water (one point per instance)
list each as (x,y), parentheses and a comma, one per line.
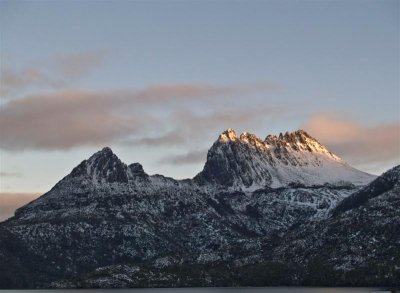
(216,290)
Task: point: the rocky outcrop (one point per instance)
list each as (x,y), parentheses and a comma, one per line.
(247,162)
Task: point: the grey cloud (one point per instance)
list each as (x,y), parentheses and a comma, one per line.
(11,81)
(62,121)
(191,128)
(67,119)
(168,139)
(50,74)
(191,157)
(10,174)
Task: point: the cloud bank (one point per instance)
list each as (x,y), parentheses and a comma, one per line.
(191,157)
(56,73)
(59,117)
(67,119)
(159,116)
(355,142)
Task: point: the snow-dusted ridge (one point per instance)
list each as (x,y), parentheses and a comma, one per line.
(253,202)
(243,162)
(248,162)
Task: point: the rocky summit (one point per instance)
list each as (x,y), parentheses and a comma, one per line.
(247,162)
(279,211)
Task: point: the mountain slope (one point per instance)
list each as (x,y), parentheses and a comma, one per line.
(107,217)
(358,246)
(390,180)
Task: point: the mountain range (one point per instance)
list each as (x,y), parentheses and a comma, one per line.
(280,211)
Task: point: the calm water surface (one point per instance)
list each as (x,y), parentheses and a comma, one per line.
(215,290)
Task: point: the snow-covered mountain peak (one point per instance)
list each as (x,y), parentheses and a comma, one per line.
(297,140)
(296,157)
(106,150)
(101,156)
(102,166)
(251,139)
(241,162)
(298,136)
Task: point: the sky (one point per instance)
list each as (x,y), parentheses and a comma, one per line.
(157,81)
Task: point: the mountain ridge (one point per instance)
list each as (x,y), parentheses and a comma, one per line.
(276,161)
(296,150)
(108,224)
(242,163)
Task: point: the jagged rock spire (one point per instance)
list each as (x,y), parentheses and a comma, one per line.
(228,135)
(102,166)
(137,170)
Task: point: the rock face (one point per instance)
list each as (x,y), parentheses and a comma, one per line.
(249,162)
(389,181)
(107,224)
(358,244)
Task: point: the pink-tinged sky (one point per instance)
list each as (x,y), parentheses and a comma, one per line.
(158,81)
(9,202)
